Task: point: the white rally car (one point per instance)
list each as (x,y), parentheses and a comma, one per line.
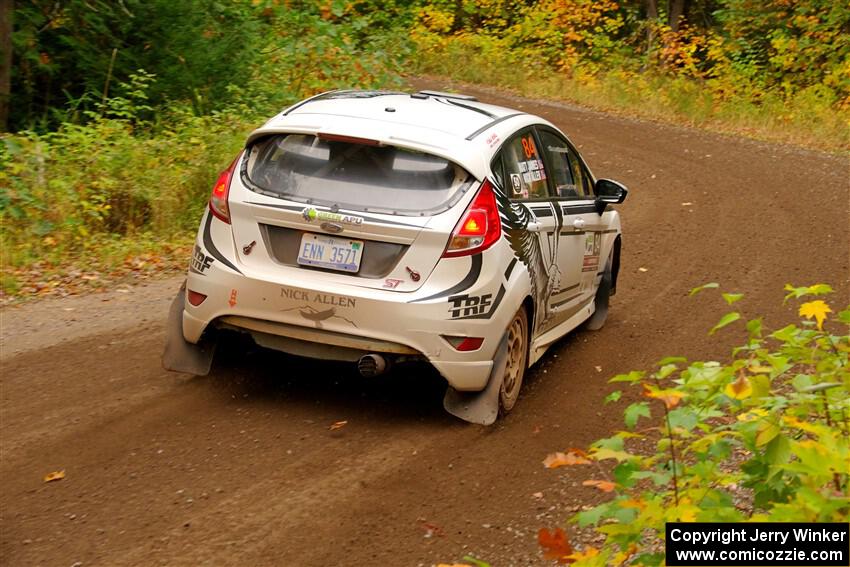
(373,226)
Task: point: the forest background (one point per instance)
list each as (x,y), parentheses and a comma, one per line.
(118,114)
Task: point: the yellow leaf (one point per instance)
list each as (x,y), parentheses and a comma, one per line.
(817,309)
(671,398)
(57,475)
(739,389)
(586,553)
(559,459)
(752,415)
(603,485)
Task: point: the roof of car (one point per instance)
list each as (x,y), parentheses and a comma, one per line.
(445,124)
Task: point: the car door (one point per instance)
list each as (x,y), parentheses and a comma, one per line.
(519,166)
(582,227)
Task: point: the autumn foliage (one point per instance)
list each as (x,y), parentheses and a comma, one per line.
(763,436)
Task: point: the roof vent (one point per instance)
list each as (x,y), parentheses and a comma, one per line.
(440,94)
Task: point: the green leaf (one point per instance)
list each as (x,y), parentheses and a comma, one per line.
(797,292)
(591,517)
(766,433)
(672,360)
(475,562)
(725,320)
(635,411)
(760,384)
(844,316)
(801,382)
(696,290)
(778,451)
(631,377)
(613,396)
(683,417)
(754,328)
(731,298)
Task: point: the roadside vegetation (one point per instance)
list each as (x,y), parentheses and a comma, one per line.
(115,149)
(763,436)
(771,69)
(121,114)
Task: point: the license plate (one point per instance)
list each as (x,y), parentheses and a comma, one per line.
(328,252)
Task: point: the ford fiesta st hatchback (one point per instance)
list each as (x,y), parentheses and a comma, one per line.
(373,226)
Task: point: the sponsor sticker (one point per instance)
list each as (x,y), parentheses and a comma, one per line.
(311,214)
(516,184)
(466,305)
(200,261)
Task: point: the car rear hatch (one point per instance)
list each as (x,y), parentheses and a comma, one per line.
(357,211)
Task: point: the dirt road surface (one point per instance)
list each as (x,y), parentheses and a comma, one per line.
(240,468)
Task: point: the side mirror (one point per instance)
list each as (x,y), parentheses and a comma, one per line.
(609,191)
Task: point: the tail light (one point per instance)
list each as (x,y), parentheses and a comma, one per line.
(195,298)
(478,228)
(464,344)
(221,190)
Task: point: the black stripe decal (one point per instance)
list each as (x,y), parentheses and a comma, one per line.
(543,212)
(510,269)
(578,209)
(464,284)
(466,106)
(495,305)
(567,300)
(491,124)
(210,246)
(560,291)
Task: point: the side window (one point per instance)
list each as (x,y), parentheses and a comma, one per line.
(570,178)
(525,176)
(498,169)
(558,155)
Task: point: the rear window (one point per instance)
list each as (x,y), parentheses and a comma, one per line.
(357,176)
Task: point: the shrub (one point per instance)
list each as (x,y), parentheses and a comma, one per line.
(764,436)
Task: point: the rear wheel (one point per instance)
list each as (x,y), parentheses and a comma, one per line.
(517,360)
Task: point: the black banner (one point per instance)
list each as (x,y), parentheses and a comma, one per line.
(762,544)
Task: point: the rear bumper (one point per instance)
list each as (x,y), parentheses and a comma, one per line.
(367,321)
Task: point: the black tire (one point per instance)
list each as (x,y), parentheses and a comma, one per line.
(517,361)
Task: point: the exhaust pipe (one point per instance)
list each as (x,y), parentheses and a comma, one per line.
(371,365)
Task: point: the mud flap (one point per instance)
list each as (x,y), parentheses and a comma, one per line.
(180,355)
(603,298)
(480,407)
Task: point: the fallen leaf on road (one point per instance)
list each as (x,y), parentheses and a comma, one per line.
(555,545)
(537,495)
(432,530)
(537,429)
(642,270)
(598,368)
(338,425)
(688,204)
(603,485)
(555,460)
(57,475)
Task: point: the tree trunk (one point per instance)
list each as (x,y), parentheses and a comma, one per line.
(651,15)
(676,10)
(6,8)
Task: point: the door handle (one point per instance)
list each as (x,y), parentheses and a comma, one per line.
(579,223)
(534,226)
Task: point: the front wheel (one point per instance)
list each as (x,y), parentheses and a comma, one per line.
(517,361)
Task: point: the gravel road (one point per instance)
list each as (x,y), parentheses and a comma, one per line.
(240,468)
